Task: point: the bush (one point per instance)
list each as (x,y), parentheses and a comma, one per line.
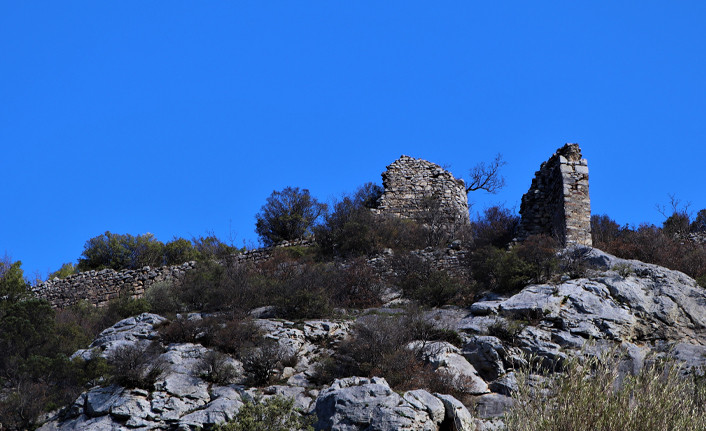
(135,366)
(66,270)
(651,244)
(273,414)
(180,250)
(380,346)
(496,227)
(287,215)
(212,248)
(216,367)
(594,396)
(351,229)
(13,286)
(260,362)
(117,251)
(532,261)
(429,286)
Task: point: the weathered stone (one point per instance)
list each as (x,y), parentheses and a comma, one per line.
(557,203)
(418,189)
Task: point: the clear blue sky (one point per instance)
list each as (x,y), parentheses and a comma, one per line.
(180,118)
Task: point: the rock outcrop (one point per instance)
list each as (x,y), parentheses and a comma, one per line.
(640,309)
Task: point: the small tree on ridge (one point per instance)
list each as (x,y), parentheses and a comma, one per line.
(288,214)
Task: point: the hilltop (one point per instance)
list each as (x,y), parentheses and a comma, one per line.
(397,311)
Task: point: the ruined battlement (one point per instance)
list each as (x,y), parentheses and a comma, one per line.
(557,203)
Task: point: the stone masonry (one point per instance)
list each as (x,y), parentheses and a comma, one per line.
(558,203)
(418,189)
(99,287)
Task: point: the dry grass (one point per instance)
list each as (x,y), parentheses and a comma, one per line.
(593,396)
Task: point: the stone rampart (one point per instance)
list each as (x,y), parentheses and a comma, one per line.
(99,287)
(557,203)
(418,189)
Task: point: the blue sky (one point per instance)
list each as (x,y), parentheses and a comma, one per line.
(180,118)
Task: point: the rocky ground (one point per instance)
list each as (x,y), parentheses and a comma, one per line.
(639,308)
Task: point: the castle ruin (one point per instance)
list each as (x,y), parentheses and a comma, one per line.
(557,203)
(424,191)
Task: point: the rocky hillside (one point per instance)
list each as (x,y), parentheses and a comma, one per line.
(638,308)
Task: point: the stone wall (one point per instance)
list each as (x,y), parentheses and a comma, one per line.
(558,203)
(418,189)
(99,287)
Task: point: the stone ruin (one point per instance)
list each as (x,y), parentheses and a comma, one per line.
(557,203)
(424,191)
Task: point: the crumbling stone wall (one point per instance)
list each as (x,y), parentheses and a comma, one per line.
(418,189)
(558,203)
(99,287)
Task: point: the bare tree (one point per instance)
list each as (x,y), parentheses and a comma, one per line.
(487,176)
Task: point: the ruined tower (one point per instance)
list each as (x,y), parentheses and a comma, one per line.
(558,203)
(418,189)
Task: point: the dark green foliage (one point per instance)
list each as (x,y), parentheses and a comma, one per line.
(699,223)
(677,224)
(287,215)
(212,248)
(507,271)
(179,250)
(351,229)
(12,283)
(272,414)
(125,251)
(428,286)
(506,330)
(496,227)
(117,251)
(35,343)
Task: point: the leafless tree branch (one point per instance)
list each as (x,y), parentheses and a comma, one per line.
(487,176)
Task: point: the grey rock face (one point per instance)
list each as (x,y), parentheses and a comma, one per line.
(356,404)
(126,332)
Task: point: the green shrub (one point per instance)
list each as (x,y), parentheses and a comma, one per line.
(212,248)
(273,414)
(351,229)
(593,396)
(532,261)
(163,298)
(179,250)
(13,286)
(436,288)
(287,215)
(117,251)
(63,272)
(507,330)
(496,227)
